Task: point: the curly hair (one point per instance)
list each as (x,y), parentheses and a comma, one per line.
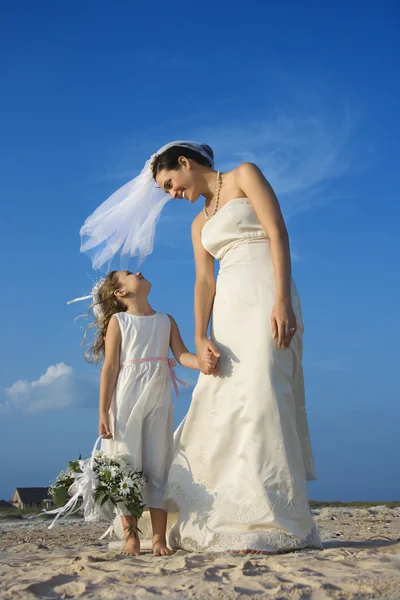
(109,305)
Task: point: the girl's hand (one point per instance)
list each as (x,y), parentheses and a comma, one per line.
(208,356)
(104,427)
(210,359)
(283,323)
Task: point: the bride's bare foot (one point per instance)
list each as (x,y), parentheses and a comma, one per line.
(132,546)
(160,548)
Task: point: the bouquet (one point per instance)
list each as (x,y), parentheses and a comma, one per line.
(98,485)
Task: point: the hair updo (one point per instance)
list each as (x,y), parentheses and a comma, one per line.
(169,159)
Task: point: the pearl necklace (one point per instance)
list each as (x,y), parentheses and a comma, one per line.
(216,201)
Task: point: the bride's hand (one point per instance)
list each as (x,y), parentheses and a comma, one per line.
(208,357)
(283,323)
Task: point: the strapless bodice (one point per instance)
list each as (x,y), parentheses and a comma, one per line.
(234,223)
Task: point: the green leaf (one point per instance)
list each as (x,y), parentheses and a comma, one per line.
(60,496)
(74,466)
(99,492)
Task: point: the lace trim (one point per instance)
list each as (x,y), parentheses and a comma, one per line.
(199,501)
(197,505)
(195,499)
(258,508)
(272,541)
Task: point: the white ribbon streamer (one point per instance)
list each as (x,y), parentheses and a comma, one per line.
(85,484)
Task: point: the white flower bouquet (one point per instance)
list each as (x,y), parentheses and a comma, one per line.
(99,485)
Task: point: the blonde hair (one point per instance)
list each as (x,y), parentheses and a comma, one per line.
(109,304)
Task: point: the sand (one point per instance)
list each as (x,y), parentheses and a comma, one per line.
(70,561)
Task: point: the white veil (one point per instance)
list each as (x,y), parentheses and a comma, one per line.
(126,222)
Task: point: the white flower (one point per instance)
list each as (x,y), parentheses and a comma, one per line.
(122,460)
(105,471)
(126,485)
(114,472)
(118,460)
(141,482)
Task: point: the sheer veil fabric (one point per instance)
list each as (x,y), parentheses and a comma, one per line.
(126,222)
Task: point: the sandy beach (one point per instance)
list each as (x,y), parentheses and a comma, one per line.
(69,561)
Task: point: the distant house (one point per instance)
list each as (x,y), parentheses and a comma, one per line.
(31,497)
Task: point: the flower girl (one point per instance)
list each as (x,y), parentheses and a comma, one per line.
(136,413)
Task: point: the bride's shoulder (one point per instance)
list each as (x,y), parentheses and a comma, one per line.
(248,174)
(246,169)
(237,180)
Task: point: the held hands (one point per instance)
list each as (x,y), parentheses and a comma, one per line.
(283,323)
(104,427)
(208,356)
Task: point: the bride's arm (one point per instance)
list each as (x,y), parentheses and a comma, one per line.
(266,206)
(204,292)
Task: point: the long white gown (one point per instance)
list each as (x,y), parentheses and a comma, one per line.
(242,455)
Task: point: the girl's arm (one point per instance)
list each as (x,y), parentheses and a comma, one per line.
(182,354)
(266,206)
(204,292)
(109,374)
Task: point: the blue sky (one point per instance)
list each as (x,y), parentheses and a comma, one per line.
(307,91)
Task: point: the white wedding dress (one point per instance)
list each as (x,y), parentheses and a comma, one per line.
(141,412)
(242,454)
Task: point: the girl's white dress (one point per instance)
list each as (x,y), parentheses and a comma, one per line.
(141,413)
(243,454)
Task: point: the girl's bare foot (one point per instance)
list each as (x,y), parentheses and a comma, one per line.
(160,547)
(159,524)
(132,546)
(132,541)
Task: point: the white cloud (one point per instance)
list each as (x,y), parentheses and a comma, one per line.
(298,152)
(53,373)
(59,387)
(300,147)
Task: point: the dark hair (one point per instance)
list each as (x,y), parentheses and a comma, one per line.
(169,158)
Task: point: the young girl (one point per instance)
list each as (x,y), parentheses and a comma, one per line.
(136,414)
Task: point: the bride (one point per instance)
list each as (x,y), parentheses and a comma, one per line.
(243,453)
